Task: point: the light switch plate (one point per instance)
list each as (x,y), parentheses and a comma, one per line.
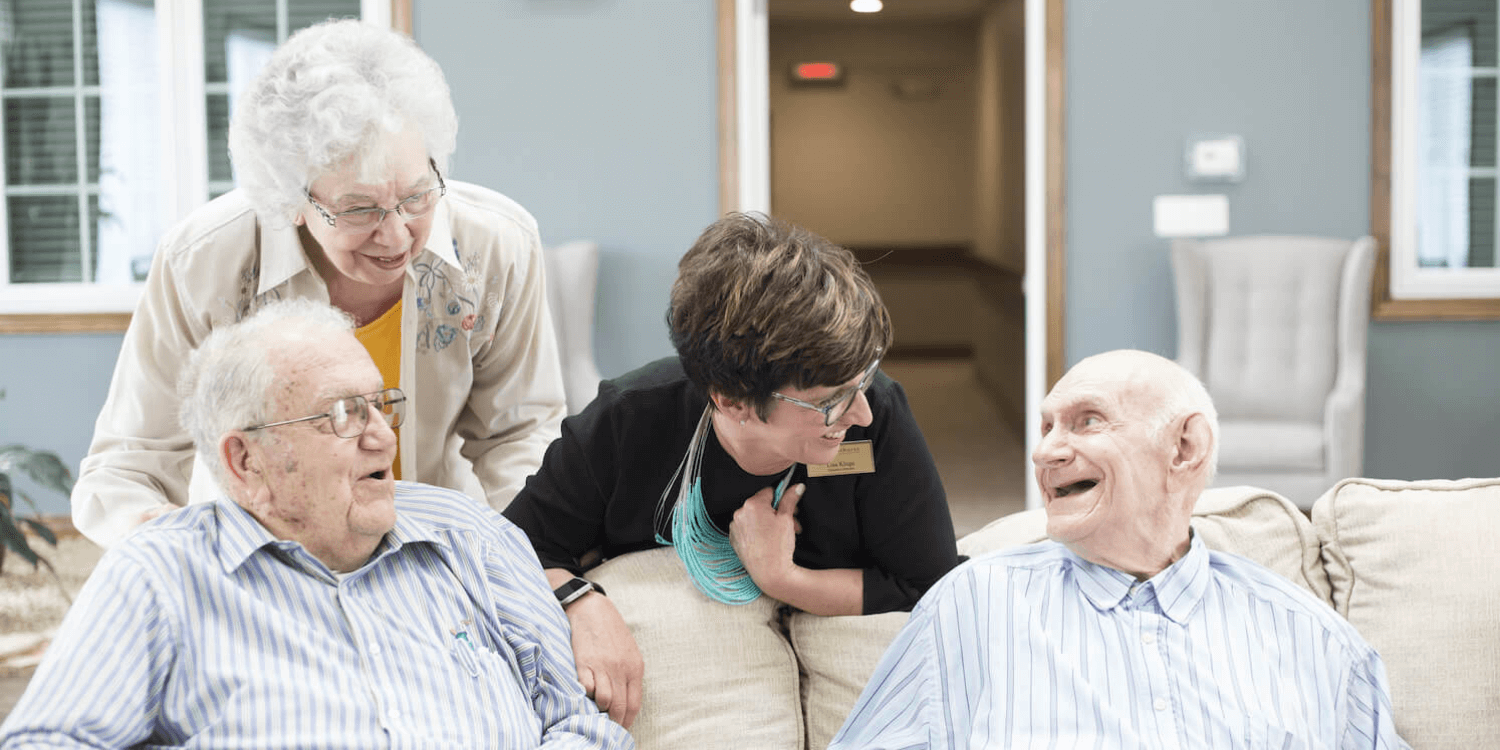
(1190,215)
(1215,159)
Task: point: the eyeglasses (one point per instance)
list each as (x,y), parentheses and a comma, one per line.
(357,219)
(350,416)
(834,409)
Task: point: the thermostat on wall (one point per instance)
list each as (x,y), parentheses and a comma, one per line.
(1216,159)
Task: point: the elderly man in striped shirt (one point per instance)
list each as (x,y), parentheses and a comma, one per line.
(1123,630)
(320,605)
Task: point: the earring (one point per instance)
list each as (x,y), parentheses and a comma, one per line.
(742,423)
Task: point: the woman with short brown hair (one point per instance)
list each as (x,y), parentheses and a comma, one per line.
(771,452)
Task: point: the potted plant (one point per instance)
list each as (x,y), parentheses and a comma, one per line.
(46,470)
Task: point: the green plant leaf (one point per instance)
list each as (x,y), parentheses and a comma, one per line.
(41,530)
(15,540)
(44,467)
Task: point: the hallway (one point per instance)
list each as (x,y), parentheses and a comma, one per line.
(981,459)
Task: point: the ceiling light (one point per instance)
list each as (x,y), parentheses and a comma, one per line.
(865,6)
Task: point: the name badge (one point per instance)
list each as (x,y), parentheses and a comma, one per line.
(854,457)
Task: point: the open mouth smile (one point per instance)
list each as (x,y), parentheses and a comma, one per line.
(1075,488)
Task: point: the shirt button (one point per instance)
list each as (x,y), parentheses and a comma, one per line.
(375,649)
(1148,638)
(1161,704)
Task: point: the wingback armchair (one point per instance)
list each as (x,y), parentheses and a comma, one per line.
(1275,327)
(572,282)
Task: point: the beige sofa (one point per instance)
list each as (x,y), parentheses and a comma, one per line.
(1414,565)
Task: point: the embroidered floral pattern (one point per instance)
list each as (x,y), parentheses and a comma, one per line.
(445,304)
(246,302)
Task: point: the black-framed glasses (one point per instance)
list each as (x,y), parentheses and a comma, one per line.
(360,219)
(835,407)
(351,415)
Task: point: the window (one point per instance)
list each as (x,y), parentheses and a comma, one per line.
(114,126)
(1434,204)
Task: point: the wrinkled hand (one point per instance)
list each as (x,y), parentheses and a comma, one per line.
(765,537)
(609,662)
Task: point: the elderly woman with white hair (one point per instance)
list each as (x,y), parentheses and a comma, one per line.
(340,147)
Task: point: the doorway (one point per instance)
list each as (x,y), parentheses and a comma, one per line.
(913,156)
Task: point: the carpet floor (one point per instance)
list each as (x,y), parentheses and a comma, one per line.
(32,604)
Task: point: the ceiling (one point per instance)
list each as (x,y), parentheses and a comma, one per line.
(895,10)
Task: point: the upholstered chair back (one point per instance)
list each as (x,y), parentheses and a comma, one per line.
(572,282)
(1264,330)
(1275,327)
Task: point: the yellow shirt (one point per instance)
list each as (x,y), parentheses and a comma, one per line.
(382,339)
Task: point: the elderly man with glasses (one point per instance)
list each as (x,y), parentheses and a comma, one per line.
(340,145)
(322,603)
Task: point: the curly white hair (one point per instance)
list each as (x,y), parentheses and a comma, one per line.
(332,92)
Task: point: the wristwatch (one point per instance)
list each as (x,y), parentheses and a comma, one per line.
(574,589)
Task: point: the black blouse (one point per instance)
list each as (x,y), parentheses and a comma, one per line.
(600,483)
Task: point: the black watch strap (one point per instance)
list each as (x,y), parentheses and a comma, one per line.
(574,589)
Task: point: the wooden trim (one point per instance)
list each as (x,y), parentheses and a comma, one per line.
(876,257)
(729,145)
(1382,305)
(1056,196)
(401,19)
(69,323)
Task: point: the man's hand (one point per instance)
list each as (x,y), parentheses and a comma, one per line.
(765,538)
(609,662)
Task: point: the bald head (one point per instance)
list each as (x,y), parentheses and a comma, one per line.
(1165,390)
(1128,443)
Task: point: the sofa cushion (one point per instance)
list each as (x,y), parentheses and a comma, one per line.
(716,675)
(1413,567)
(838,654)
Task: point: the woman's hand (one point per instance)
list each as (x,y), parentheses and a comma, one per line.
(609,662)
(765,538)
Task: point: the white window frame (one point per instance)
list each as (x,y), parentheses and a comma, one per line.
(1408,280)
(184,149)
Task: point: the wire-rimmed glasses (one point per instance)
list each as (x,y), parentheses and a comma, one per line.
(361,219)
(350,416)
(835,407)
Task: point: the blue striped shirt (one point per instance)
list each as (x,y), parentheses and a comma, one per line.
(1036,647)
(203,630)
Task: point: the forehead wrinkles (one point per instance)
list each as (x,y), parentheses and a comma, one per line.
(1119,393)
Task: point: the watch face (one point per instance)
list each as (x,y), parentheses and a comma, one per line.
(572,590)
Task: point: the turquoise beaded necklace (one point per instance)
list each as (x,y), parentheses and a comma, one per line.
(705,551)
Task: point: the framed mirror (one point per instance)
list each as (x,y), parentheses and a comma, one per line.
(1434,203)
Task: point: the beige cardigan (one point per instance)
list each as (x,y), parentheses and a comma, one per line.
(479,361)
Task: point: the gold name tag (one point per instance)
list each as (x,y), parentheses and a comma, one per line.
(855,457)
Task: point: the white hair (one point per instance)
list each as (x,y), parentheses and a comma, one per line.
(227,379)
(332,92)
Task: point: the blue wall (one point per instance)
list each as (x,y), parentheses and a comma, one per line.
(599,116)
(1293,79)
(53,389)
